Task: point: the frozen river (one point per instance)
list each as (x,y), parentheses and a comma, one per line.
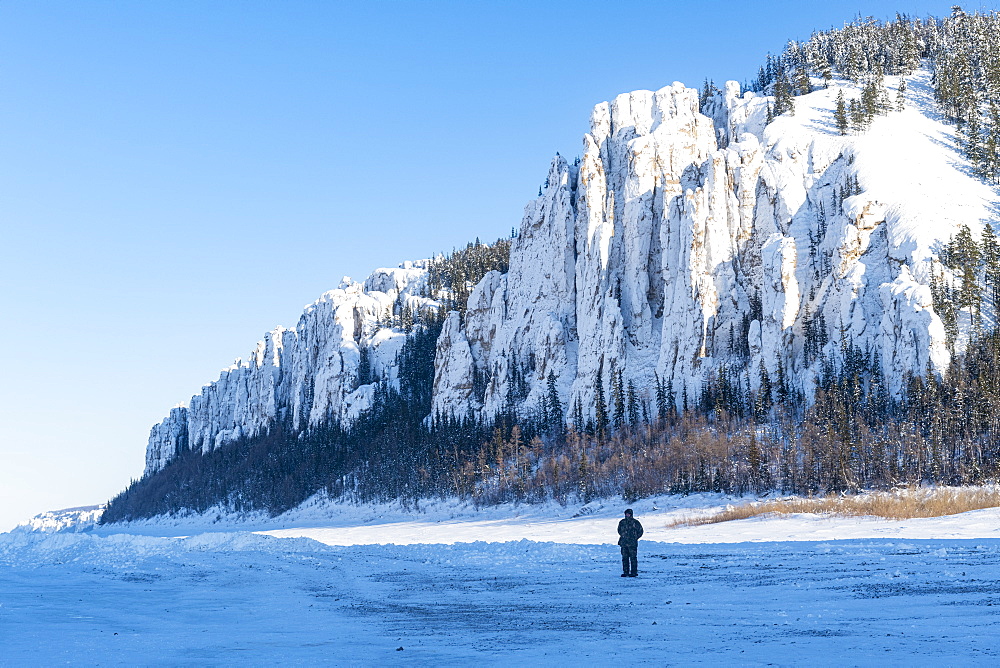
(239,597)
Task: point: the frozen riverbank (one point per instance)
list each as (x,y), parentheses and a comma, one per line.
(448,521)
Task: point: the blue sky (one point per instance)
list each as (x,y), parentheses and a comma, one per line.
(177,178)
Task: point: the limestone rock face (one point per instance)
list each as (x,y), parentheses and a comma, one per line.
(693,236)
(690,237)
(303,376)
(453,370)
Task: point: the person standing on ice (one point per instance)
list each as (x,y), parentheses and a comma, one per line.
(629,533)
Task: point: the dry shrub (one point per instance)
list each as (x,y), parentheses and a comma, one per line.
(899,504)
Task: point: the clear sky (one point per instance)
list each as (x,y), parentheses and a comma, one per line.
(177,178)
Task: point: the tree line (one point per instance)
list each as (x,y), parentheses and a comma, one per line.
(853,436)
(451,278)
(961,50)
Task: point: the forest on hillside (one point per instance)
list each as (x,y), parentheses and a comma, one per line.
(962,52)
(638,441)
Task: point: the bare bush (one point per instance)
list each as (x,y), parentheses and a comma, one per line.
(899,504)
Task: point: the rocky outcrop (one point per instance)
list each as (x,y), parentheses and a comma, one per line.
(68,520)
(302,376)
(690,239)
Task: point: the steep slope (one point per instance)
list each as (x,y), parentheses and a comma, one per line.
(680,247)
(692,240)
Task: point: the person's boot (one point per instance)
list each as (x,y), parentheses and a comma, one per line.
(625,575)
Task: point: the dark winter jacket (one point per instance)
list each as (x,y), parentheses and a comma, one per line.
(630,531)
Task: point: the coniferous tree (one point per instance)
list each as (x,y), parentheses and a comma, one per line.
(973,144)
(962,51)
(764,394)
(991,265)
(661,399)
(762,80)
(840,114)
(578,421)
(634,413)
(364,376)
(857,115)
(874,100)
(826,72)
(802,84)
(991,148)
(783,100)
(554,406)
(964,256)
(708,91)
(601,408)
(618,399)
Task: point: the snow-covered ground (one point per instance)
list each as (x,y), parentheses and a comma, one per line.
(450,586)
(448,522)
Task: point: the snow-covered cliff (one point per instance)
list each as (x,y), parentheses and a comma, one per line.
(684,242)
(68,520)
(687,239)
(305,375)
